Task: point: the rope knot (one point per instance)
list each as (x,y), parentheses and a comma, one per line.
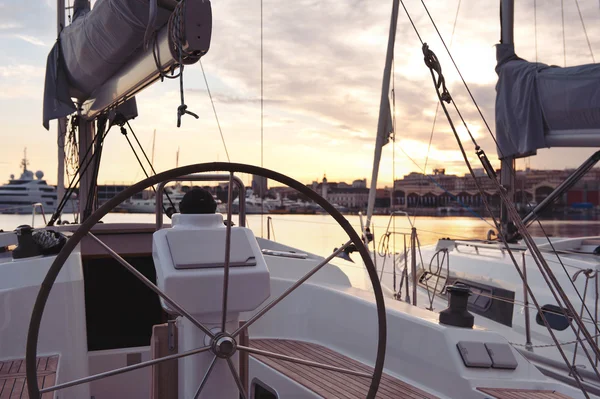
(182,110)
(432,62)
(588,273)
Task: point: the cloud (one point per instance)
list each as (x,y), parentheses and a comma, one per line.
(9,25)
(30,39)
(322,69)
(230,99)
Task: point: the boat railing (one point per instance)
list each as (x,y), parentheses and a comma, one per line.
(590,275)
(404,261)
(201,177)
(440,261)
(33,209)
(270,228)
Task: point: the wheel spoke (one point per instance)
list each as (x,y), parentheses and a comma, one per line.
(152,286)
(236,377)
(205,379)
(124,369)
(290,290)
(227,252)
(303,361)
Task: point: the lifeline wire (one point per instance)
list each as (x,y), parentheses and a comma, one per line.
(147,160)
(585,31)
(215,112)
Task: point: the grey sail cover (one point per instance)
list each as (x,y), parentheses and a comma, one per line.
(93,48)
(535,99)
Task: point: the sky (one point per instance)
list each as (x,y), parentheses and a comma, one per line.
(322,66)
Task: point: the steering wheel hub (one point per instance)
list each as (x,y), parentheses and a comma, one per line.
(224,346)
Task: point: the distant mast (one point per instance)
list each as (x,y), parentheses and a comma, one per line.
(24,161)
(153,142)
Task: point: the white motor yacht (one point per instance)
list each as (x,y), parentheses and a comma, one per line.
(21,195)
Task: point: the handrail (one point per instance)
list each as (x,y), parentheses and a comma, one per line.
(486,245)
(483,244)
(201,177)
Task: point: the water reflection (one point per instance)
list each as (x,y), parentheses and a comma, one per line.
(320,234)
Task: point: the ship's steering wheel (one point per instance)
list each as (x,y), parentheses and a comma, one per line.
(84,230)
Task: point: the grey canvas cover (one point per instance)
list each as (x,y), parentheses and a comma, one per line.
(93,48)
(533,99)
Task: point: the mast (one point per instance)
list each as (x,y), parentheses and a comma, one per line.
(153,142)
(507,166)
(62,122)
(86,132)
(383,124)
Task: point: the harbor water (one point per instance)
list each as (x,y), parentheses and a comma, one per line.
(320,234)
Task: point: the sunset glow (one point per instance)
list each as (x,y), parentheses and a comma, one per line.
(323,66)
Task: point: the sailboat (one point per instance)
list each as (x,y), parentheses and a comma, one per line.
(199,308)
(509,273)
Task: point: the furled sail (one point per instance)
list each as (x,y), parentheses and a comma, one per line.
(539,106)
(102,43)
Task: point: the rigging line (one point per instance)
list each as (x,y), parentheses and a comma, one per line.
(215,111)
(501,235)
(76,178)
(466,86)
(513,172)
(475,143)
(466,126)
(585,31)
(528,288)
(69,10)
(535,30)
(147,160)
(567,273)
(437,105)
(74,181)
(460,115)
(124,132)
(393,164)
(562,16)
(411,21)
(551,281)
(262,104)
(461,77)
